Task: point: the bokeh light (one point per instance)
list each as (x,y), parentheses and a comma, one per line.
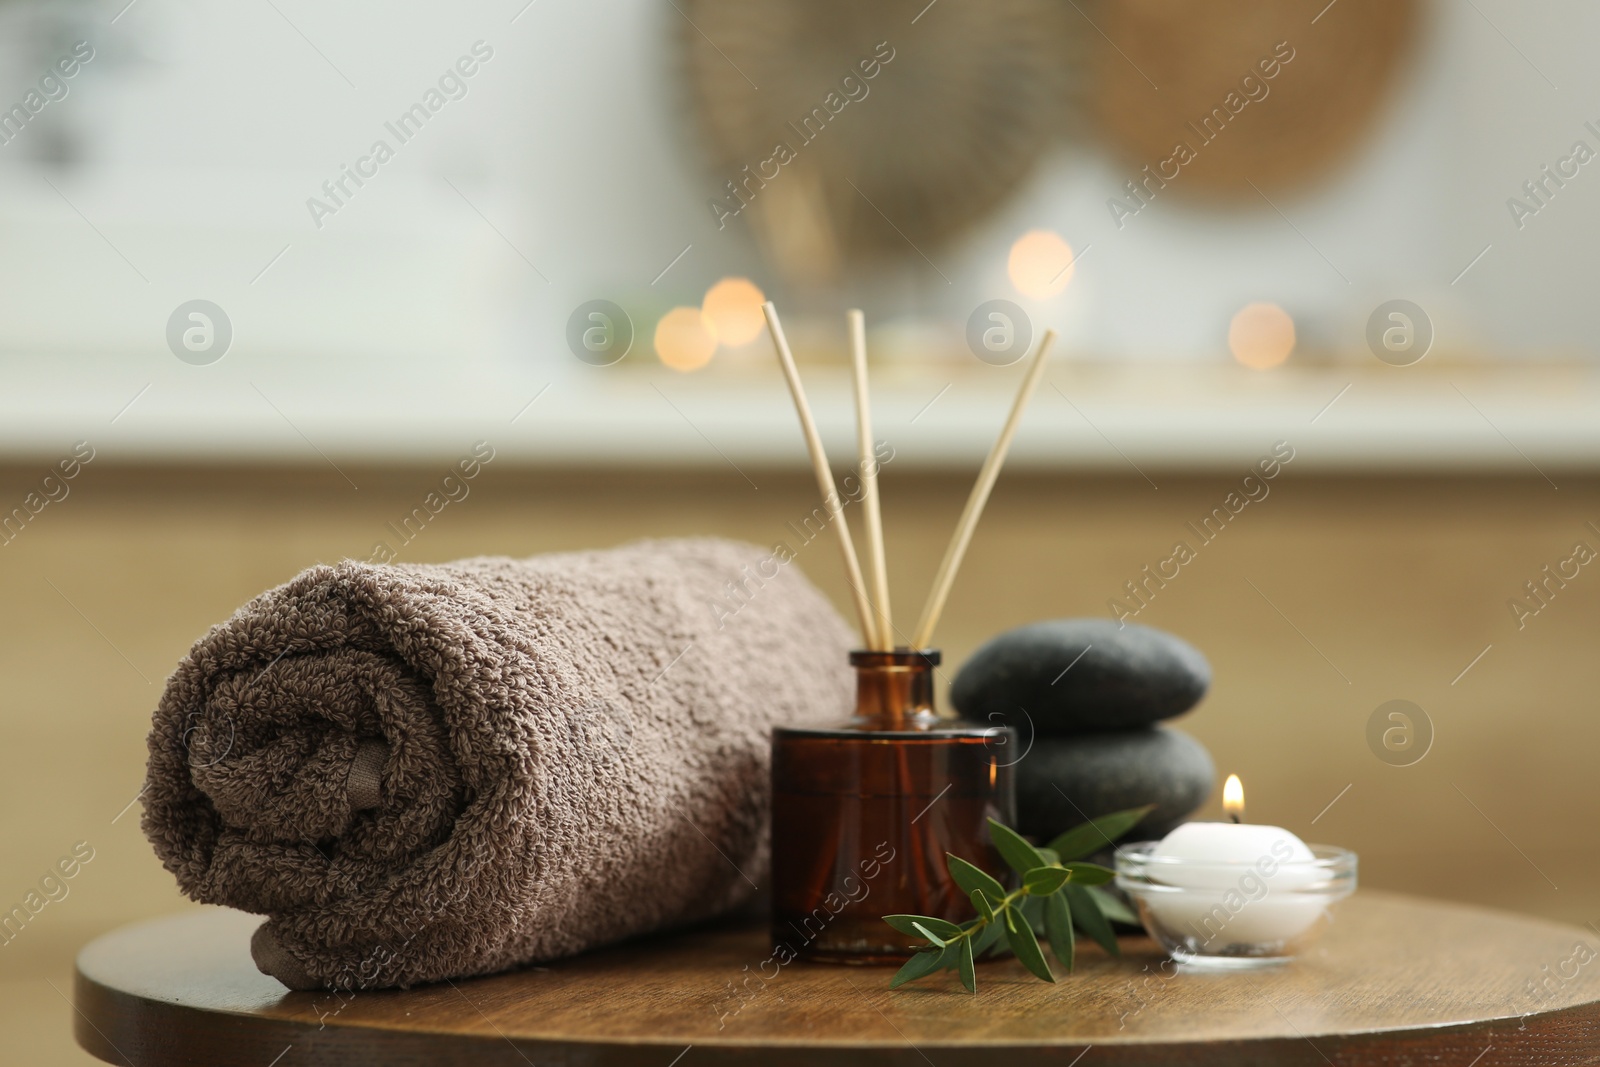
(733,308)
(1261,335)
(685,340)
(1041,264)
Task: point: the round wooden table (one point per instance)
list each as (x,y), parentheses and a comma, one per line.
(1395,980)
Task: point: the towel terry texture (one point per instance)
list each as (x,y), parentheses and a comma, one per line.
(430,771)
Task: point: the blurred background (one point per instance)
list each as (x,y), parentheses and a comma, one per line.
(268,269)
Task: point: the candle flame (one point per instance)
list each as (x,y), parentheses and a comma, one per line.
(1233,798)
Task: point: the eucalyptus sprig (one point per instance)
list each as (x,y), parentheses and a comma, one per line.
(1057,893)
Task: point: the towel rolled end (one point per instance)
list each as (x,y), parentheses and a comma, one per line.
(274,960)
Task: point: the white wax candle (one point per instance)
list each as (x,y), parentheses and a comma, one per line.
(1243,884)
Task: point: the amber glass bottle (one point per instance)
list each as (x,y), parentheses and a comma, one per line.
(864,812)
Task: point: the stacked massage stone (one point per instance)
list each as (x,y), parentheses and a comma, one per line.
(1091,695)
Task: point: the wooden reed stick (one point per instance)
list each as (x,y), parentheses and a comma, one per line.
(819,466)
(868,469)
(946,576)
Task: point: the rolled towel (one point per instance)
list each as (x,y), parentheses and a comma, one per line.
(431,771)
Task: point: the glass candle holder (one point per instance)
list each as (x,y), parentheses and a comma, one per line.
(864,812)
(1234,914)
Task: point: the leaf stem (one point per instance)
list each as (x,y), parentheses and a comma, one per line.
(999,910)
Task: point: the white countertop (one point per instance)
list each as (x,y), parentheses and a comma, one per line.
(1360,417)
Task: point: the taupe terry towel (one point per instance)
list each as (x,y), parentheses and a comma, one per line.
(428,771)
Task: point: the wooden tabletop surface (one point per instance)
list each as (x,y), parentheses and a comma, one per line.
(1394,980)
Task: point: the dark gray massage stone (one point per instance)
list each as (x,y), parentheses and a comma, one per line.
(1074,676)
(1062,782)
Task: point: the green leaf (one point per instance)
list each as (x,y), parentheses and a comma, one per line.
(990,937)
(919,966)
(971,878)
(943,927)
(1112,907)
(935,938)
(1051,856)
(1090,873)
(1032,909)
(981,902)
(1089,919)
(1018,854)
(1042,881)
(908,924)
(1058,928)
(1026,946)
(1097,834)
(969,975)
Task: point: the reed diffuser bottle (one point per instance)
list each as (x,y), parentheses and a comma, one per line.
(864,812)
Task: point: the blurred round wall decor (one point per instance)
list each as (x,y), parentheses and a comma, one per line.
(846,132)
(1182,87)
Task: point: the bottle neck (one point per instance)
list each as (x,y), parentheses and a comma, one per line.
(894,690)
